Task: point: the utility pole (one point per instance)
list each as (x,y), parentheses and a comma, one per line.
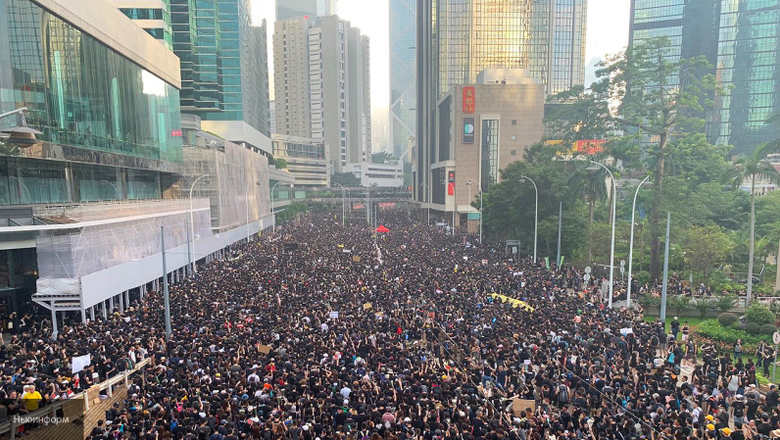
(560,224)
(166,294)
(666,270)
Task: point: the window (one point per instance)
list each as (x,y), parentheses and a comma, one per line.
(514,137)
(514,121)
(513,152)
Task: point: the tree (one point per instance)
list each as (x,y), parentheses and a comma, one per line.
(381,157)
(706,246)
(280,163)
(660,98)
(344,179)
(748,169)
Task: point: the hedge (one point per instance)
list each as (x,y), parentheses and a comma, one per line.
(726,319)
(725,338)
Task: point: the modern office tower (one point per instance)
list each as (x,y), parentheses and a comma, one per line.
(568,21)
(287,9)
(152,15)
(292,97)
(403,77)
(306,159)
(748,73)
(223,82)
(323,86)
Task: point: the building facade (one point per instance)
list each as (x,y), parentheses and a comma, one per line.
(224,81)
(456,40)
(403,77)
(306,159)
(323,86)
(382,175)
(480,129)
(152,15)
(289,9)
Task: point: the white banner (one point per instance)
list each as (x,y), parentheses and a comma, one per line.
(80,362)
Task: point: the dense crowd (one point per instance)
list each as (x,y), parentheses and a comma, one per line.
(395,340)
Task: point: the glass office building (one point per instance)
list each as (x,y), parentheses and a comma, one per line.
(289,9)
(748,71)
(567,45)
(403,80)
(152,15)
(110,127)
(224,62)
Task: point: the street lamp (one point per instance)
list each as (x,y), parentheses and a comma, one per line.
(21,135)
(523,178)
(614,205)
(343,208)
(192,224)
(631,243)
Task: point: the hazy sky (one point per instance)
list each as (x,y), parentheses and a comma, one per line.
(607,34)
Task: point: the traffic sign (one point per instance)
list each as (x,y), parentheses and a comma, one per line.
(587,269)
(776,338)
(586,277)
(622,263)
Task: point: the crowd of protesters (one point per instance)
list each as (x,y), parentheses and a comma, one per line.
(318,332)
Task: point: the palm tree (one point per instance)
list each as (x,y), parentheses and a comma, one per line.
(748,169)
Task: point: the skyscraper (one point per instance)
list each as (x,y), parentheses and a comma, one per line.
(152,15)
(224,69)
(287,9)
(748,72)
(457,39)
(323,84)
(403,76)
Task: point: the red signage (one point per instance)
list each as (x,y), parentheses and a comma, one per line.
(176,133)
(590,147)
(358,206)
(469,99)
(386,205)
(451,183)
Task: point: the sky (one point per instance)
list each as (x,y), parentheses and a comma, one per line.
(607,33)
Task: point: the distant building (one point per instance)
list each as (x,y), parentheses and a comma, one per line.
(152,15)
(288,9)
(306,159)
(481,128)
(323,86)
(403,77)
(224,69)
(375,174)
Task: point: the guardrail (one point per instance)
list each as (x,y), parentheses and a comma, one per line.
(51,409)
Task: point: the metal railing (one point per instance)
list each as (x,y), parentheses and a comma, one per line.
(51,409)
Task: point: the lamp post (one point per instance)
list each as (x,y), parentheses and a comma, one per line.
(612,251)
(469,183)
(22,135)
(428,199)
(631,243)
(272,205)
(536,209)
(192,224)
(343,207)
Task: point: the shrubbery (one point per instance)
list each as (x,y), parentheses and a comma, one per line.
(759,314)
(726,319)
(753,328)
(768,329)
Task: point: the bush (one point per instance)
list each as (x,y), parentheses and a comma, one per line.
(768,329)
(759,314)
(753,328)
(711,329)
(726,302)
(726,319)
(649,301)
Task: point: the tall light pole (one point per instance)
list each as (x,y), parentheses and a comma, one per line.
(469,183)
(523,178)
(631,243)
(612,251)
(272,205)
(192,224)
(343,208)
(428,199)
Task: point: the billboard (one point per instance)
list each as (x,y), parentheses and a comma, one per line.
(590,147)
(451,183)
(468,130)
(469,99)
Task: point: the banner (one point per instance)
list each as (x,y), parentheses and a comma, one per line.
(469,99)
(590,147)
(547,262)
(80,362)
(333,315)
(515,302)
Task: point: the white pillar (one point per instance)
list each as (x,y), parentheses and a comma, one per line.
(111,305)
(53,321)
(121,303)
(104,306)
(127,298)
(92,313)
(83,314)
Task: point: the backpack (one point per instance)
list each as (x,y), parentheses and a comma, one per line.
(563,393)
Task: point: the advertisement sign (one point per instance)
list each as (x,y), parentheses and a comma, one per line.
(590,147)
(469,99)
(451,183)
(358,206)
(176,133)
(468,130)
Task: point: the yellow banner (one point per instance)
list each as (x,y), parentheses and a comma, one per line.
(515,302)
